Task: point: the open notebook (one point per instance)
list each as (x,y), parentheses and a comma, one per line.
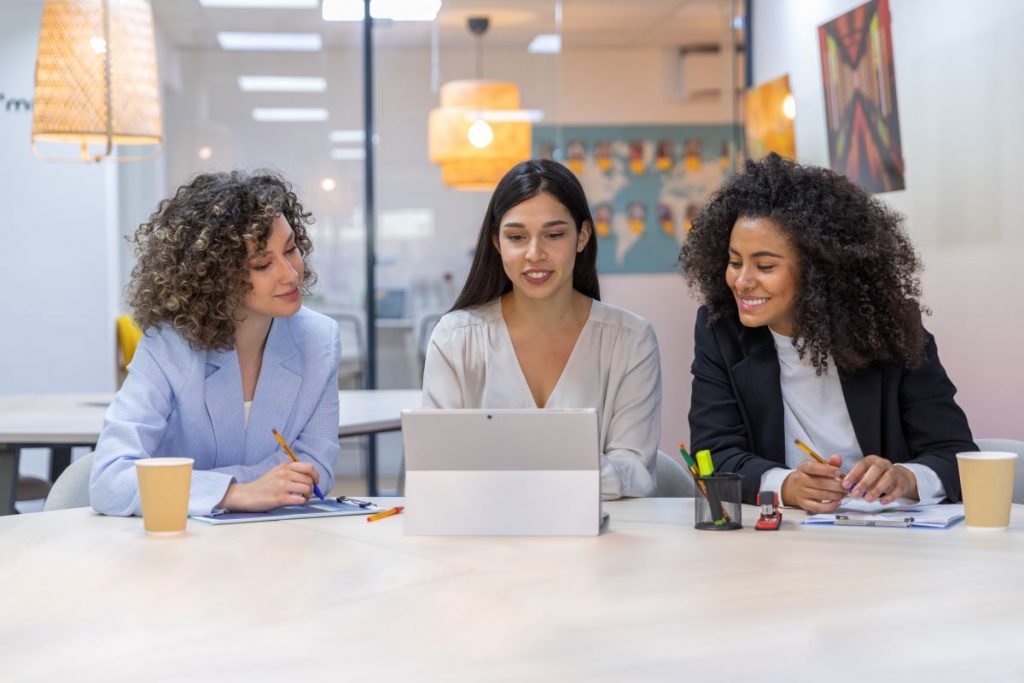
(923,516)
(314,508)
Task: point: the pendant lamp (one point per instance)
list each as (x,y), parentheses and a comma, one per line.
(96,80)
(479,132)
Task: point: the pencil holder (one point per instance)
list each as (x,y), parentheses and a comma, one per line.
(716,504)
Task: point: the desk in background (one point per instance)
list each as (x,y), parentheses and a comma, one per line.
(63,421)
(92,598)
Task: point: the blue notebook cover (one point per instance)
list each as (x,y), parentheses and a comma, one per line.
(314,508)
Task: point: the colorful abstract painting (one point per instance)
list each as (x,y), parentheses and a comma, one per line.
(860,97)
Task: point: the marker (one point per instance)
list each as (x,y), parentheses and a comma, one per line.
(291,454)
(700,468)
(704,463)
(385,513)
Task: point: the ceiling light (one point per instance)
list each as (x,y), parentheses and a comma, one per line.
(295,42)
(347,136)
(204,153)
(480,134)
(282,83)
(261,4)
(292,115)
(545,44)
(789,107)
(396,10)
(348,154)
(328,184)
(531,115)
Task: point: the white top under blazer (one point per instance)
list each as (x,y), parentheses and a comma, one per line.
(614,368)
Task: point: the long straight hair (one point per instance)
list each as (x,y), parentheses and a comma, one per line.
(487,279)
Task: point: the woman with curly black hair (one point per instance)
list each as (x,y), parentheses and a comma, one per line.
(229,353)
(811,330)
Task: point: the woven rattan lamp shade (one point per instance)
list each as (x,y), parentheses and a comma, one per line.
(96,77)
(463,165)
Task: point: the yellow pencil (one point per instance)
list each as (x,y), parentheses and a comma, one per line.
(810,451)
(291,454)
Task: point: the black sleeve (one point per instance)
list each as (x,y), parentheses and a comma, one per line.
(716,418)
(934,425)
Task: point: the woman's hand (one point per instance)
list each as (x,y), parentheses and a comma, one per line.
(814,487)
(289,483)
(875,478)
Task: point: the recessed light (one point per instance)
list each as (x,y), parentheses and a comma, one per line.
(260,4)
(291,115)
(282,83)
(348,154)
(545,44)
(294,42)
(347,136)
(396,10)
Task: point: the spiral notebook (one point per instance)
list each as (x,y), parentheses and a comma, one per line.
(922,516)
(314,508)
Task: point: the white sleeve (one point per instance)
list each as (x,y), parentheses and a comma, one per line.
(441,386)
(929,487)
(631,442)
(773,479)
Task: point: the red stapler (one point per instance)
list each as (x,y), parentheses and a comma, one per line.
(770,518)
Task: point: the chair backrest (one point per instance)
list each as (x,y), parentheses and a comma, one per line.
(127,335)
(1013,446)
(352,366)
(424,328)
(71,490)
(673,481)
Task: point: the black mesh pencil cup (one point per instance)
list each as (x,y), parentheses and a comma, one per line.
(716,505)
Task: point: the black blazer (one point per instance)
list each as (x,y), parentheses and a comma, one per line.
(902,414)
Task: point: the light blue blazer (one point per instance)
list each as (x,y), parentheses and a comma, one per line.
(178,401)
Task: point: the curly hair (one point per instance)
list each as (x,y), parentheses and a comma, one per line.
(192,270)
(858,294)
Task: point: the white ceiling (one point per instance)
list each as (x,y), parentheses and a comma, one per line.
(610,23)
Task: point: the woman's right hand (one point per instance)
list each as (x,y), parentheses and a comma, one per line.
(289,483)
(815,487)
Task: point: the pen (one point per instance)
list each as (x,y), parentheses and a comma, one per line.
(810,451)
(385,513)
(291,454)
(695,471)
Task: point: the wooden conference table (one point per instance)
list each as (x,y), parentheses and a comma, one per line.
(87,597)
(61,421)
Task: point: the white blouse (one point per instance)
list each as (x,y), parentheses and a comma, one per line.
(614,368)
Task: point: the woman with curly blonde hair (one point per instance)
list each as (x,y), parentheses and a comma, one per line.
(229,353)
(811,330)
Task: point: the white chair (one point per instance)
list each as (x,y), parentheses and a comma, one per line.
(351,369)
(71,490)
(1013,446)
(673,480)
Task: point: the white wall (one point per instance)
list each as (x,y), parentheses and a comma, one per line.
(960,98)
(59,278)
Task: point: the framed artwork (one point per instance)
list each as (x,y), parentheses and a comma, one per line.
(860,97)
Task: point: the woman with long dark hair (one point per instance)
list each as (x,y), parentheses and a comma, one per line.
(529,329)
(811,330)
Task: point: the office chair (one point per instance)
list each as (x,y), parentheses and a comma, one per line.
(71,490)
(673,481)
(1013,446)
(351,369)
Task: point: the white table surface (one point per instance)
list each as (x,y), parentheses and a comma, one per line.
(88,598)
(78,418)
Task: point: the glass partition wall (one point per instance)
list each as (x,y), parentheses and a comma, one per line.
(639,99)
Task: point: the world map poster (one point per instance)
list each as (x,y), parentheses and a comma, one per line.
(644,184)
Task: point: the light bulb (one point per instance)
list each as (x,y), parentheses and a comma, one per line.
(205,153)
(98,44)
(789,107)
(480,134)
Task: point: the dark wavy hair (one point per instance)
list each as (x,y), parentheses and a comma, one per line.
(193,265)
(487,279)
(858,295)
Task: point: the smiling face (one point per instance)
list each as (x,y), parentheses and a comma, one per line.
(763,274)
(538,243)
(275,273)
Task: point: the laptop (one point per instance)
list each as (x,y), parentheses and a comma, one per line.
(501,473)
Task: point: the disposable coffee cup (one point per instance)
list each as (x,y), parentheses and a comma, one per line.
(163,489)
(986,480)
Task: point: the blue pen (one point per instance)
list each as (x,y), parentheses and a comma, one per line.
(288,450)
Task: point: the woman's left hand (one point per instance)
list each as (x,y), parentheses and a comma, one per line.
(875,478)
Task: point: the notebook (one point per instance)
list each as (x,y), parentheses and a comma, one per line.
(314,508)
(922,516)
(502,472)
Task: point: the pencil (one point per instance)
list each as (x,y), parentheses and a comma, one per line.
(291,454)
(385,513)
(810,451)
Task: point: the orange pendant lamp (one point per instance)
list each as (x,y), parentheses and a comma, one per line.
(479,132)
